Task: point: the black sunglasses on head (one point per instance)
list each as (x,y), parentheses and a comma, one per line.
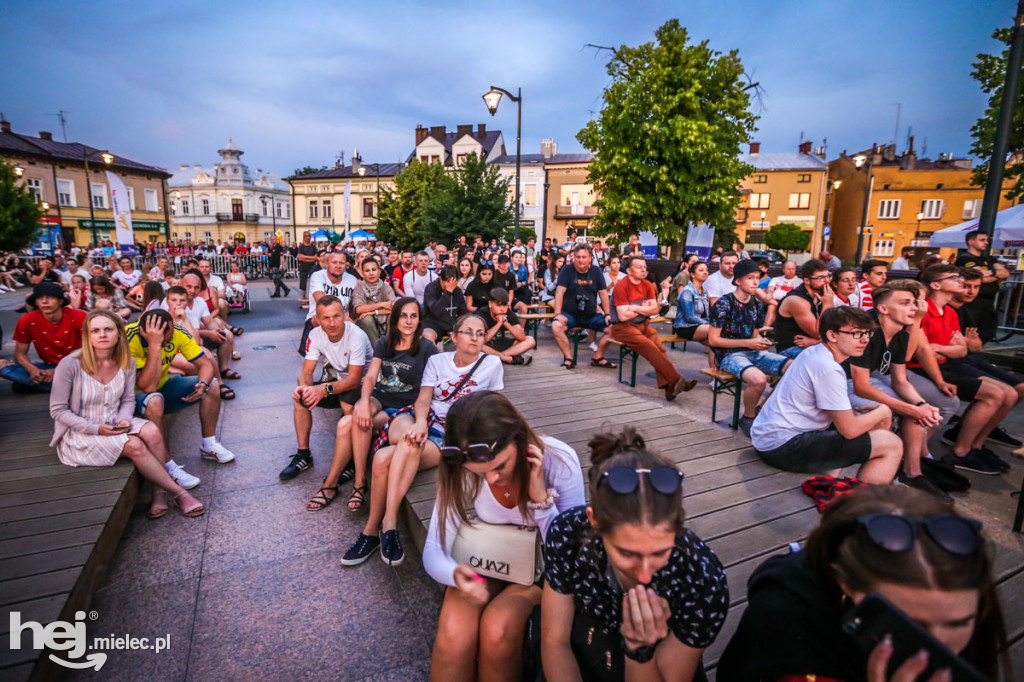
(893,533)
(478,453)
(625,480)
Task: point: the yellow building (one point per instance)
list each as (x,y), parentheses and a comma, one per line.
(785,187)
(65,175)
(910,199)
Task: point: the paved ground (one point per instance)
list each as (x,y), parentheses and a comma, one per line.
(254,588)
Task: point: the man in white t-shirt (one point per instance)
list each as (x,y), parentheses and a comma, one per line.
(415,283)
(127,277)
(720,283)
(214,282)
(211,332)
(792,431)
(71,271)
(345,351)
(333,280)
(785,284)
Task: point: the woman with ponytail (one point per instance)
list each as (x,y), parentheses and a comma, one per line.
(629,593)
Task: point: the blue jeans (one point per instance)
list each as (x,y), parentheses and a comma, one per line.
(738,362)
(19,375)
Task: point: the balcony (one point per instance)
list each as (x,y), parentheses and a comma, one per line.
(577,211)
(238,218)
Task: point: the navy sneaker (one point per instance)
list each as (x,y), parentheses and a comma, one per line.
(745,424)
(298,464)
(923,483)
(1001,437)
(362,550)
(995,459)
(391,548)
(976,461)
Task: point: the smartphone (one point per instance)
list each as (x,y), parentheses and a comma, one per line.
(875,617)
(122,426)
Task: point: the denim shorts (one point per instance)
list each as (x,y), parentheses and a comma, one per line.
(595,321)
(176,388)
(739,362)
(436,436)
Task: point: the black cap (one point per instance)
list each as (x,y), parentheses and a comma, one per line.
(744,268)
(499,295)
(503,258)
(47,289)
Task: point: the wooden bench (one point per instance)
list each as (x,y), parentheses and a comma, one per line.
(728,384)
(627,354)
(531,322)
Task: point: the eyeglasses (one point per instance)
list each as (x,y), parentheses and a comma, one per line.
(893,533)
(820,278)
(625,480)
(472,334)
(478,453)
(858,334)
(848,280)
(955,278)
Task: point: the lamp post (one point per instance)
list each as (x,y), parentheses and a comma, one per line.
(273,216)
(920,216)
(376,206)
(863,161)
(108,159)
(491,99)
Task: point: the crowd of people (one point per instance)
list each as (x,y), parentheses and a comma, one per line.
(837,371)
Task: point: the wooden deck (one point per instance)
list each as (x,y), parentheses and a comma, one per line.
(744,509)
(59,527)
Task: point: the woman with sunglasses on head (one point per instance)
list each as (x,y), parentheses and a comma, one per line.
(630,594)
(901,543)
(496,464)
(412,440)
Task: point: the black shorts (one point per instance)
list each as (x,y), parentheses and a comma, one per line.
(306,329)
(333,402)
(966,379)
(501,344)
(987,369)
(304,277)
(816,451)
(686,332)
(440,327)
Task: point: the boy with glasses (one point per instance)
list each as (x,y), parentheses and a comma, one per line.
(796,326)
(794,431)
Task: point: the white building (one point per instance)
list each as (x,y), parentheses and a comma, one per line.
(227,202)
(533,185)
(437,145)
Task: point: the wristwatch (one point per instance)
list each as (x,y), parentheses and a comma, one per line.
(641,654)
(329,388)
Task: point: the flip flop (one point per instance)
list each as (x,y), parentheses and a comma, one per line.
(231,374)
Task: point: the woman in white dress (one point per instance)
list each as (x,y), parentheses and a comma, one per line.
(236,281)
(92,404)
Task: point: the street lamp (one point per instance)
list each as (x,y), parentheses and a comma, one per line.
(376,206)
(108,159)
(492,99)
(863,161)
(273,214)
(19,171)
(920,217)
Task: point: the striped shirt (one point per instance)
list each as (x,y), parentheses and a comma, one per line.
(866,301)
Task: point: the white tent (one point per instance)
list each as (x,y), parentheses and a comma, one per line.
(1009,231)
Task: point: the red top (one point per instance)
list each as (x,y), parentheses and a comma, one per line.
(398,275)
(53,342)
(939,327)
(626,292)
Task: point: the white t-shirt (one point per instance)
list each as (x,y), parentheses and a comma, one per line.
(562,472)
(319,281)
(65,277)
(854,300)
(195,313)
(415,284)
(126,280)
(216,282)
(813,383)
(718,286)
(350,349)
(444,376)
(783,286)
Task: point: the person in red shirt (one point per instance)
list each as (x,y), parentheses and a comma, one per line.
(875,273)
(989,404)
(53,328)
(636,301)
(399,272)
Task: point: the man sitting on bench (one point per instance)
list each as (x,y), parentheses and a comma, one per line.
(793,431)
(735,338)
(636,301)
(796,325)
(576,305)
(506,337)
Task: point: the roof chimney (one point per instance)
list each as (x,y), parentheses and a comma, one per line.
(43,135)
(184,167)
(463,129)
(438,133)
(421,133)
(5,126)
(805,147)
(548,148)
(356,161)
(755,147)
(481,129)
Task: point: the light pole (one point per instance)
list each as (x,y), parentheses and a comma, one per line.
(491,99)
(920,216)
(108,159)
(273,216)
(376,206)
(863,161)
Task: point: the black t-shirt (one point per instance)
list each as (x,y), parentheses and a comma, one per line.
(275,256)
(879,356)
(581,289)
(307,250)
(398,384)
(51,276)
(787,328)
(462,250)
(988,289)
(980,314)
(484,312)
(479,292)
(506,281)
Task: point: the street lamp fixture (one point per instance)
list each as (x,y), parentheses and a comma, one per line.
(492,99)
(108,158)
(920,217)
(45,206)
(860,161)
(19,171)
(836,184)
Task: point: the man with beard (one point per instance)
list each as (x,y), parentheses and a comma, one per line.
(796,325)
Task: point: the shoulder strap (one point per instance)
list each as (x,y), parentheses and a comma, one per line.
(465,378)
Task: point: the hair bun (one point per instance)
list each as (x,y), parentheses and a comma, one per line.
(605,445)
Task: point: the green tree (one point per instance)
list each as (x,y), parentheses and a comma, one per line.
(667,142)
(990,72)
(787,237)
(307,170)
(470,201)
(400,214)
(19,213)
(525,233)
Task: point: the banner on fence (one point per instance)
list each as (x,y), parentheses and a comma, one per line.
(122,214)
(699,239)
(649,243)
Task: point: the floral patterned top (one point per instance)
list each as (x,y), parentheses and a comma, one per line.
(736,320)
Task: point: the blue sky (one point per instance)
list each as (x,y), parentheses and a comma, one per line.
(293,83)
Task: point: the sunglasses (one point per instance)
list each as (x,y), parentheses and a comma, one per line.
(625,480)
(893,533)
(478,453)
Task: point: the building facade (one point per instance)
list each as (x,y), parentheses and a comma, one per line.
(226,202)
(533,186)
(570,196)
(785,187)
(69,176)
(909,200)
(437,145)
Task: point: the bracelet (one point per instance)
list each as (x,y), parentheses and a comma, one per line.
(546,504)
(923,402)
(641,654)
(204,384)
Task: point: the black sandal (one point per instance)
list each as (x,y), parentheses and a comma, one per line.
(226,392)
(231,374)
(568,363)
(603,362)
(321,499)
(357,498)
(237,331)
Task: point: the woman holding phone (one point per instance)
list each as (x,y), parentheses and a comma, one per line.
(495,463)
(92,404)
(902,543)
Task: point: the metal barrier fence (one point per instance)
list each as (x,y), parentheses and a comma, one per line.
(254,267)
(1008,306)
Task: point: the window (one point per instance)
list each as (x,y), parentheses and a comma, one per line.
(131,198)
(66,192)
(512,192)
(327,208)
(325,188)
(367,207)
(800,200)
(35,188)
(759,179)
(174,211)
(889,209)
(760,200)
(207,237)
(151,204)
(288,211)
(883,247)
(188,236)
(972,209)
(184,207)
(932,208)
(269,237)
(278,205)
(425,159)
(99,195)
(435,159)
(803,177)
(460,159)
(531,194)
(206,206)
(314,209)
(264,202)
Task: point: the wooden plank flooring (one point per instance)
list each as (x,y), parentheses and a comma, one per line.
(744,509)
(58,526)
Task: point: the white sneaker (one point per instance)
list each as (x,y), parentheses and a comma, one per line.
(5,289)
(182,477)
(218,452)
(593,347)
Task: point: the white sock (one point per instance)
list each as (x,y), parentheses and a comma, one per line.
(170,465)
(209,442)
